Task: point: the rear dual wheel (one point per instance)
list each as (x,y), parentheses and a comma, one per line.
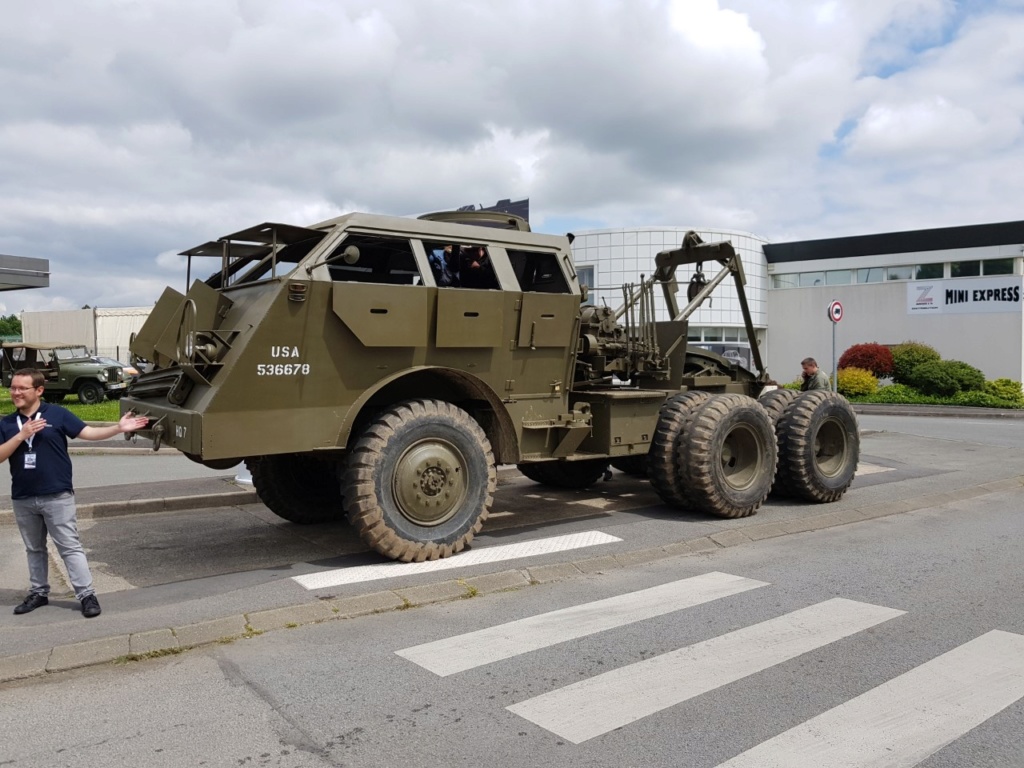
(819,447)
(662,458)
(727,456)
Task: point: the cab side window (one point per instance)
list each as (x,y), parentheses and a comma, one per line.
(475,268)
(363,258)
(538,272)
(461,265)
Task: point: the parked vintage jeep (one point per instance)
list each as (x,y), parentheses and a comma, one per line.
(69,369)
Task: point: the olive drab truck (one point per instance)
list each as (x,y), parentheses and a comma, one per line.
(329,360)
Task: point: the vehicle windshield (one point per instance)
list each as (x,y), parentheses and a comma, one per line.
(258,253)
(71,353)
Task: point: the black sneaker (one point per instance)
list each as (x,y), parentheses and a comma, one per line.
(32,602)
(90,606)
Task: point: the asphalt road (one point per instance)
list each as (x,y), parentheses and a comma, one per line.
(913,588)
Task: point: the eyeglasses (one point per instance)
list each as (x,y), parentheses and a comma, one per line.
(22,389)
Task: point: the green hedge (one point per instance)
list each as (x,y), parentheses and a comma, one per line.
(909,355)
(901,394)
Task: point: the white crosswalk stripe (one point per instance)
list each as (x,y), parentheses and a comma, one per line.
(896,725)
(457,654)
(901,722)
(600,704)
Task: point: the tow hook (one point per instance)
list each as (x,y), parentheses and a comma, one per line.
(158,435)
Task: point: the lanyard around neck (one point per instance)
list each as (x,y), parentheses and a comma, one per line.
(36,415)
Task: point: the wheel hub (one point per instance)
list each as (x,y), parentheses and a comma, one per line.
(429,482)
(741,457)
(830,448)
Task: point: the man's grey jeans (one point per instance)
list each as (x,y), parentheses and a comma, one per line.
(53,514)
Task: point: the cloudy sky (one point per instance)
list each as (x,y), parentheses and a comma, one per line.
(132,129)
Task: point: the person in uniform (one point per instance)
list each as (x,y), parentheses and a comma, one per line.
(813,378)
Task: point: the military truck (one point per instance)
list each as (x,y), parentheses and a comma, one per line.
(329,361)
(70,369)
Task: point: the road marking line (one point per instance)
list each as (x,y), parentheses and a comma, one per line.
(901,722)
(474,649)
(870,469)
(496,554)
(611,700)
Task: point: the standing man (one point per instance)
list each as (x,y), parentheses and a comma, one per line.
(34,438)
(812,377)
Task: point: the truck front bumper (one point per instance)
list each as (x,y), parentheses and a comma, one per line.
(168,426)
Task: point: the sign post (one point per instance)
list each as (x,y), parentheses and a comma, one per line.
(835,314)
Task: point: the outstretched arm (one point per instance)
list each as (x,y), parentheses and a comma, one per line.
(128,423)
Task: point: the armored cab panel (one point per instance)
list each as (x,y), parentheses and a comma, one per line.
(315,338)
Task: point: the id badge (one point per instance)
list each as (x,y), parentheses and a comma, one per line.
(30,460)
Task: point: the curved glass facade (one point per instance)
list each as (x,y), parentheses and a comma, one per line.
(609,258)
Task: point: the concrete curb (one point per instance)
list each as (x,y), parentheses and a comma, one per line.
(943,411)
(101,509)
(177,639)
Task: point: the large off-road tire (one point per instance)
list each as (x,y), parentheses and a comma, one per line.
(819,447)
(662,461)
(298,487)
(570,475)
(776,401)
(90,393)
(55,398)
(420,481)
(727,456)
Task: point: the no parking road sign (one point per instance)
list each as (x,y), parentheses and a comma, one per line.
(835,311)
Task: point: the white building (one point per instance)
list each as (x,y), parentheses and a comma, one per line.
(105,332)
(608,258)
(958,289)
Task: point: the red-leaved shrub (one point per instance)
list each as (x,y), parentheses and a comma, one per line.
(870,357)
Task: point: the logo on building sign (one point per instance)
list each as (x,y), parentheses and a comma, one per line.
(965,295)
(835,311)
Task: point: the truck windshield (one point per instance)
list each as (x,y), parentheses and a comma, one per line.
(258,253)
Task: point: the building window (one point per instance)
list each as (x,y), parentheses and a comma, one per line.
(785,281)
(965,269)
(928,272)
(586,276)
(998,266)
(900,273)
(719,334)
(809,279)
(839,277)
(871,275)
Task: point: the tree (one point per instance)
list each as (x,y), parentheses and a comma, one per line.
(10,325)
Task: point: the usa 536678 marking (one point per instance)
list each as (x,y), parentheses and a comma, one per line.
(282,369)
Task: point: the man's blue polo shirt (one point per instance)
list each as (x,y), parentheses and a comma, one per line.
(53,464)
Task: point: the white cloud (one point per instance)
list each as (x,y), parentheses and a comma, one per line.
(130,131)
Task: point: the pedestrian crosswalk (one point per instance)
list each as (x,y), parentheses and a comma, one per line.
(899,723)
